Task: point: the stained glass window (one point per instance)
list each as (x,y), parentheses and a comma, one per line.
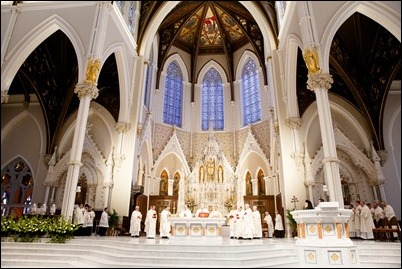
(173,95)
(120,5)
(251,93)
(212,100)
(131,16)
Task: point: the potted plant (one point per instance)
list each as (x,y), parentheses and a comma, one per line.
(113,221)
(292,223)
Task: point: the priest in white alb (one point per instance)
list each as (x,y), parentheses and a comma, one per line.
(257,231)
(202,209)
(165,223)
(150,222)
(270,224)
(248,224)
(215,213)
(135,222)
(186,212)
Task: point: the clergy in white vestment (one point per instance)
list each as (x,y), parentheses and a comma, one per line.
(279,230)
(33,209)
(358,210)
(390,215)
(248,223)
(150,222)
(257,228)
(239,222)
(135,222)
(165,223)
(215,213)
(186,212)
(79,219)
(52,209)
(270,224)
(42,209)
(103,222)
(231,222)
(351,222)
(202,209)
(378,214)
(89,216)
(366,222)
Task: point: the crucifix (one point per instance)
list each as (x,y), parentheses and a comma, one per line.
(294,201)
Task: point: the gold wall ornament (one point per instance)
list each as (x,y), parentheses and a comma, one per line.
(93,68)
(312,61)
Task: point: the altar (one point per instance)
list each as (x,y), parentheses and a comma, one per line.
(197,227)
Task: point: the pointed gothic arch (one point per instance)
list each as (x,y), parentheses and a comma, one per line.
(16,187)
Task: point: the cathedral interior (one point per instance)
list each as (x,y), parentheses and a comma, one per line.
(198,102)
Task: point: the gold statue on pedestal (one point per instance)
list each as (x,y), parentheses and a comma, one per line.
(93,68)
(312,60)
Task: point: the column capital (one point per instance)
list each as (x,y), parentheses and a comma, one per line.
(319,81)
(107,184)
(293,123)
(4,96)
(123,127)
(86,89)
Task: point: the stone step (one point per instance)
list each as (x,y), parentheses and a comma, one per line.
(106,258)
(117,252)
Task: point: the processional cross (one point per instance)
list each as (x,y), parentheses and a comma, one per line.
(294,201)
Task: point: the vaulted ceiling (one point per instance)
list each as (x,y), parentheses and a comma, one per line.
(364,60)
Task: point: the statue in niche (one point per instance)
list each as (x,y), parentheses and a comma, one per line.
(93,68)
(211,169)
(201,175)
(312,60)
(220,174)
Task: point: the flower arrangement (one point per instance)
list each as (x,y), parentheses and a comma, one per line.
(28,229)
(230,203)
(60,230)
(32,228)
(190,202)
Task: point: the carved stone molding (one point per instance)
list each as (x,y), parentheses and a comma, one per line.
(319,81)
(383,154)
(298,157)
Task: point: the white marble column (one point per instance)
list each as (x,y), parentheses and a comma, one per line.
(52,194)
(294,124)
(155,186)
(107,186)
(254,185)
(47,190)
(266,181)
(320,83)
(170,186)
(308,175)
(86,92)
(380,179)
